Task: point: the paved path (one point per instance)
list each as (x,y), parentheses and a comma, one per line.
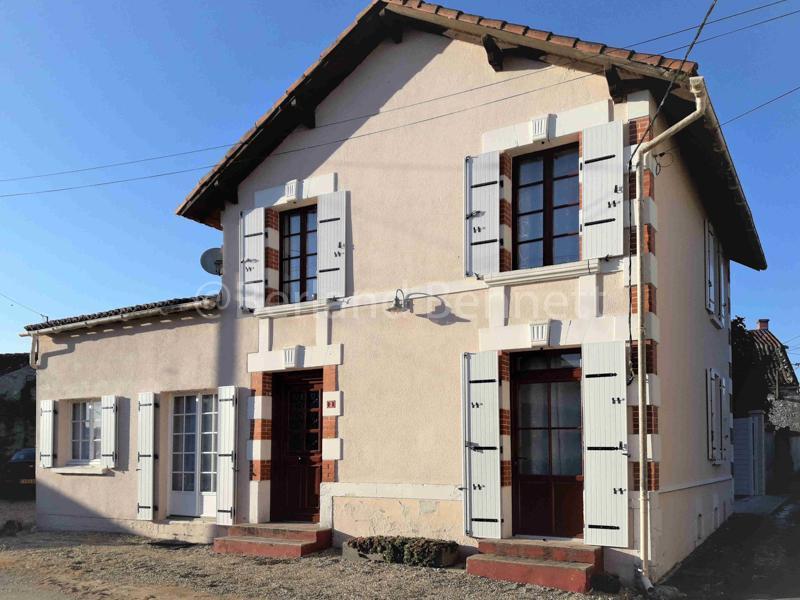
(751,556)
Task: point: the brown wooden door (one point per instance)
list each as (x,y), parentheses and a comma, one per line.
(297,448)
(547,459)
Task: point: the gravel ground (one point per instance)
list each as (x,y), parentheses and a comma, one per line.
(55,565)
(85,565)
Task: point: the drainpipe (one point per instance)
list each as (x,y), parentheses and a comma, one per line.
(698,88)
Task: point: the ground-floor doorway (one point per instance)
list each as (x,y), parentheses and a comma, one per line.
(547,447)
(193,456)
(296,446)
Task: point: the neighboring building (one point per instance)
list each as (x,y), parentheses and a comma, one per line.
(493,394)
(764,439)
(17,404)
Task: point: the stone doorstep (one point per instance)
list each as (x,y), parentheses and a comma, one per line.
(569,576)
(301,532)
(273,540)
(554,550)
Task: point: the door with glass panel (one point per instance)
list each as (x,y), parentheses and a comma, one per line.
(547,460)
(193,481)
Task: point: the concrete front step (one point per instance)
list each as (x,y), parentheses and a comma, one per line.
(259,546)
(553,550)
(569,576)
(285,531)
(275,540)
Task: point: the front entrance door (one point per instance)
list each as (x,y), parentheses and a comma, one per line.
(547,475)
(297,447)
(193,486)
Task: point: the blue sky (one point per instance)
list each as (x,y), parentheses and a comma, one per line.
(88,83)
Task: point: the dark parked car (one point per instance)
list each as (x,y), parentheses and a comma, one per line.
(17,476)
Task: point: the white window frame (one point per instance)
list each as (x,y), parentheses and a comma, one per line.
(93,416)
(719,272)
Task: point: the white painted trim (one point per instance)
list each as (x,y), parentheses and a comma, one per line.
(550,273)
(638,104)
(311,357)
(332,449)
(565,123)
(336,398)
(686,486)
(259,449)
(259,407)
(568,334)
(81,470)
(290,310)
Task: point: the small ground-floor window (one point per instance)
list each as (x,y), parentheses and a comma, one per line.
(86,420)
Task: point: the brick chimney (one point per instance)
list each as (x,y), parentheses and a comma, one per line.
(763,324)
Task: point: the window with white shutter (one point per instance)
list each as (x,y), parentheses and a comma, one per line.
(603,191)
(605,427)
(47,414)
(252,274)
(482,214)
(145,456)
(712,270)
(108,431)
(226,455)
(714,416)
(332,248)
(481,421)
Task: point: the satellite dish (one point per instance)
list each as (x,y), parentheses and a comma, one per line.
(211,261)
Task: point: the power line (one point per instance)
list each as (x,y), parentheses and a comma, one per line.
(205,167)
(293,150)
(719,20)
(351,119)
(630,167)
(726,33)
(26,307)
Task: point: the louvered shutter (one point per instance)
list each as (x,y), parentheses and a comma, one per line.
(481,398)
(603,184)
(47,409)
(145,456)
(725,292)
(605,432)
(712,415)
(226,455)
(253,255)
(108,431)
(711,269)
(482,223)
(724,427)
(332,245)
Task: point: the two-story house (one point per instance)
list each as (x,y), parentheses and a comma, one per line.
(432,297)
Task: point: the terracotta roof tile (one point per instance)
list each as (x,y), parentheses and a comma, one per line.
(538,34)
(493,23)
(468,18)
(591,49)
(516,29)
(118,311)
(563,40)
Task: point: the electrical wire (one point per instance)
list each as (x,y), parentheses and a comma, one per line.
(727,33)
(302,148)
(359,117)
(630,203)
(711,22)
(25,306)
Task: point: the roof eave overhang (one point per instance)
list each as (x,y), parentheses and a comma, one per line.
(711,166)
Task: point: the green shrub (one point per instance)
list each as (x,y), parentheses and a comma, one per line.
(421,552)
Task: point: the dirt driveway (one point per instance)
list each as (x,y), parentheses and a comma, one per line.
(50,566)
(750,556)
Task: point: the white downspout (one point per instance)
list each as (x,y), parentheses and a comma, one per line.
(698,88)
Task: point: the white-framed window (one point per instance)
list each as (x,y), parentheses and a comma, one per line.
(717,279)
(717,413)
(86,431)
